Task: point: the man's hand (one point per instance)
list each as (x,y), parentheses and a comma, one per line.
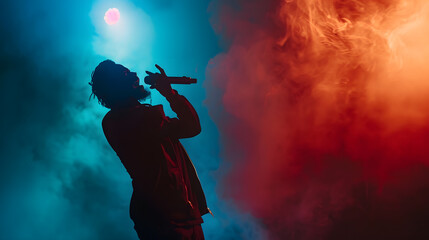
(161,84)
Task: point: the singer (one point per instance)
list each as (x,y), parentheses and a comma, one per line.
(167,200)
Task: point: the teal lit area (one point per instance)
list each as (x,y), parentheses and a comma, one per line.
(59,177)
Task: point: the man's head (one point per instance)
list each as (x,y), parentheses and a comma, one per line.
(114,84)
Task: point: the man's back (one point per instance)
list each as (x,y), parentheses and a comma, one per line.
(164,178)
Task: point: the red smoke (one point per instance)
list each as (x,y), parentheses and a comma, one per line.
(323,109)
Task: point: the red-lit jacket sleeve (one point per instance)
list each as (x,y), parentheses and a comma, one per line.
(187,123)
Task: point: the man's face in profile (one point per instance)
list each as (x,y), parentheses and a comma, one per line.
(130,76)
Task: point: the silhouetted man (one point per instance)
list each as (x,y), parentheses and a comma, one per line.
(167,201)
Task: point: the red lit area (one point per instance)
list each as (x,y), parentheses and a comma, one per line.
(325,119)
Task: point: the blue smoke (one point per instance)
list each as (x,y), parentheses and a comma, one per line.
(59,178)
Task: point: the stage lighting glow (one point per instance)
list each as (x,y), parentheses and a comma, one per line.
(128,39)
(112,16)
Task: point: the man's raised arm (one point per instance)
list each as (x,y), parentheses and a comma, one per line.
(187,123)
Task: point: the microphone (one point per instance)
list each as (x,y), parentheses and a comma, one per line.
(152,79)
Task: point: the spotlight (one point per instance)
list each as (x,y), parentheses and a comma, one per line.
(112,16)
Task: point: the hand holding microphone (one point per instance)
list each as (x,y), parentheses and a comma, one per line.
(161,78)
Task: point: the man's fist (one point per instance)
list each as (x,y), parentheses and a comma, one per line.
(161,84)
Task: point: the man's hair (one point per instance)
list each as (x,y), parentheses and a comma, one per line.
(111,85)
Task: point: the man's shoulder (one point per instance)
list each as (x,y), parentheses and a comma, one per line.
(106,119)
(143,112)
(156,110)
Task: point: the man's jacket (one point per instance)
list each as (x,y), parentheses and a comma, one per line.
(166,185)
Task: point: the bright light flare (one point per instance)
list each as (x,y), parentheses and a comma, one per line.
(112,16)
